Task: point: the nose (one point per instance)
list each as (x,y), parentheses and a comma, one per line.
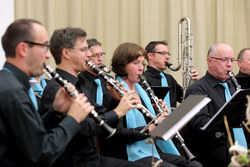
(88,53)
(141,67)
(230,63)
(48,54)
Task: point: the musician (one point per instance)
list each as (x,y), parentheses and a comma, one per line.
(243,60)
(211,148)
(128,64)
(89,77)
(157,56)
(24,140)
(70,51)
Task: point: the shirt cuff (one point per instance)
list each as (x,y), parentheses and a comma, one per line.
(70,125)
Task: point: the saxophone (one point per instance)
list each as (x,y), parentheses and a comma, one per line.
(185,57)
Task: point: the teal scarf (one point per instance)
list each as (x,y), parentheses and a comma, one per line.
(134,119)
(38,88)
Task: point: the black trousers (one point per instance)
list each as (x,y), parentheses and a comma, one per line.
(170,160)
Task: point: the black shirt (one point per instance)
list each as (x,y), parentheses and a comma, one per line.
(153,77)
(23,139)
(206,144)
(82,146)
(241,74)
(88,82)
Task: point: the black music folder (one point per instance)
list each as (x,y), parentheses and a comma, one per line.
(182,115)
(160,91)
(244,82)
(234,109)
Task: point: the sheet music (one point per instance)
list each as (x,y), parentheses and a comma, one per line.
(181,116)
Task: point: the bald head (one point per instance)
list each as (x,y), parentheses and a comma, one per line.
(244,61)
(220,60)
(218,49)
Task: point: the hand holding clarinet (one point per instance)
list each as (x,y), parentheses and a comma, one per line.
(70,89)
(78,108)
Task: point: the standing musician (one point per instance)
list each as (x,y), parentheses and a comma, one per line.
(128,64)
(70,51)
(157,56)
(212,148)
(24,140)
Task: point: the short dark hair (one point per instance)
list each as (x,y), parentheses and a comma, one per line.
(123,55)
(64,38)
(93,42)
(20,30)
(151,46)
(241,53)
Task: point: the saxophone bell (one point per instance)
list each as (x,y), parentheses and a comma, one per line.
(185,53)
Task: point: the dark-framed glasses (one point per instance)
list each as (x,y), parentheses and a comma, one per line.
(224,59)
(162,53)
(46,46)
(98,54)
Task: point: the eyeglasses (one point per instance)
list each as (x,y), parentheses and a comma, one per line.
(39,44)
(162,53)
(224,59)
(98,55)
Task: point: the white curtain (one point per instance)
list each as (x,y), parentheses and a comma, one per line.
(113,22)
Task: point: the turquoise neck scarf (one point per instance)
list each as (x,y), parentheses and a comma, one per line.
(238,132)
(134,119)
(38,88)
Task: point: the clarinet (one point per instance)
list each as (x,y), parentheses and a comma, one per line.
(155,100)
(112,83)
(151,94)
(64,83)
(234,80)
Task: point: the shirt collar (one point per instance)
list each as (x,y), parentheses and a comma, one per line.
(64,74)
(242,74)
(214,81)
(153,70)
(20,75)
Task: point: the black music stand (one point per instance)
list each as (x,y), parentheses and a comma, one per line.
(244,82)
(234,110)
(182,115)
(160,91)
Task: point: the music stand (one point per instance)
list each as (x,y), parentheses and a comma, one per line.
(160,91)
(234,110)
(244,82)
(182,115)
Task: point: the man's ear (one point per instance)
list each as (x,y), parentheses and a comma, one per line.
(239,62)
(65,53)
(150,56)
(22,49)
(209,61)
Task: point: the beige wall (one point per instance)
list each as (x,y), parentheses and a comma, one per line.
(6,17)
(140,21)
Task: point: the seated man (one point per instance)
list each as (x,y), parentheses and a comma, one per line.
(24,140)
(70,51)
(243,60)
